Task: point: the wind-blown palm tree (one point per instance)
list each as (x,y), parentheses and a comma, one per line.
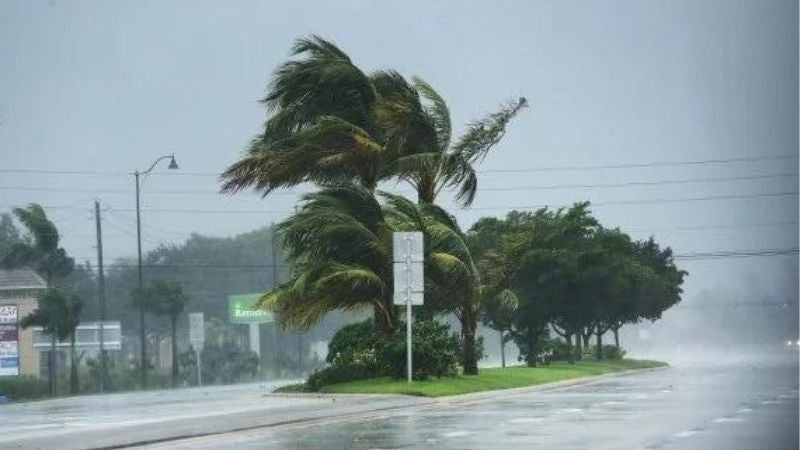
(440,163)
(40,252)
(329,122)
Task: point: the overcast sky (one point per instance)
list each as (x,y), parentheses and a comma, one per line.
(110,86)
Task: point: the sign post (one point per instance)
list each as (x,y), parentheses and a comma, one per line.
(197,336)
(409,281)
(243,309)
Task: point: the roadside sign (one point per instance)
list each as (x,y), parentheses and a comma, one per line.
(9,340)
(408,252)
(242,309)
(197,333)
(408,246)
(87,335)
(409,281)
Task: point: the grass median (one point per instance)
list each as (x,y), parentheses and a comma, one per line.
(489,379)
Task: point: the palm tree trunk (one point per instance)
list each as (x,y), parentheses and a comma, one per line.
(73,367)
(502,350)
(174,320)
(469,327)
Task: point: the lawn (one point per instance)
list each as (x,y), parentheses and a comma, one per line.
(487,380)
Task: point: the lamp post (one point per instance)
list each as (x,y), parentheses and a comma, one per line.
(142,335)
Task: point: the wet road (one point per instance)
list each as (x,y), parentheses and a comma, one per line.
(731,406)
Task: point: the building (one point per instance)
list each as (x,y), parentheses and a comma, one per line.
(19,290)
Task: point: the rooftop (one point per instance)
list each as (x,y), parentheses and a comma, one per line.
(16,279)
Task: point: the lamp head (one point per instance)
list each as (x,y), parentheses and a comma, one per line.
(172,164)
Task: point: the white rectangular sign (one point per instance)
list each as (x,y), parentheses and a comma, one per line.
(408,276)
(9,340)
(408,245)
(197,332)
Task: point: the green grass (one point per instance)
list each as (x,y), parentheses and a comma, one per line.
(487,380)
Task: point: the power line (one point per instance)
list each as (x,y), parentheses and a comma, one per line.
(478,208)
(736,254)
(721,254)
(640,165)
(486,188)
(638,202)
(509,170)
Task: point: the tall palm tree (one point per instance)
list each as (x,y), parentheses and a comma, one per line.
(40,252)
(329,122)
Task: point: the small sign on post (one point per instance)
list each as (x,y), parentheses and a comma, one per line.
(409,280)
(197,336)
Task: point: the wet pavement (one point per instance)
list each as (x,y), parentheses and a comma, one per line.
(727,406)
(730,405)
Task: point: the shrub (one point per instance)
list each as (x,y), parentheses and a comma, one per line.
(337,374)
(480,352)
(561,350)
(354,344)
(435,351)
(23,387)
(609,352)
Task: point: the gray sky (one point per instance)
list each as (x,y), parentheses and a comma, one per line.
(110,86)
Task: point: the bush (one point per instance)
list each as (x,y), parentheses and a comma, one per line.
(337,374)
(480,352)
(610,352)
(561,350)
(354,345)
(355,353)
(435,351)
(23,387)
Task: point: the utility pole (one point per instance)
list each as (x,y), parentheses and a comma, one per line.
(101,293)
(142,337)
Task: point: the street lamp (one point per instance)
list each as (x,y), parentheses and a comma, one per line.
(172,165)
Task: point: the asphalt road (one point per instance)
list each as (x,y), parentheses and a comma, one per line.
(731,406)
(739,404)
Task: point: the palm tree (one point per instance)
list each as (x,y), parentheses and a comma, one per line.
(439,163)
(58,314)
(339,245)
(166,298)
(330,122)
(40,252)
(452,281)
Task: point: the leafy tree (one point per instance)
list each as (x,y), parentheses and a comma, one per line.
(58,314)
(498,314)
(39,251)
(166,298)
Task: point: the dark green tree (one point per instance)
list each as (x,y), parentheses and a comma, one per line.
(166,298)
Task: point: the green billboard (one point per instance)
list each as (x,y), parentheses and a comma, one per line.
(242,309)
